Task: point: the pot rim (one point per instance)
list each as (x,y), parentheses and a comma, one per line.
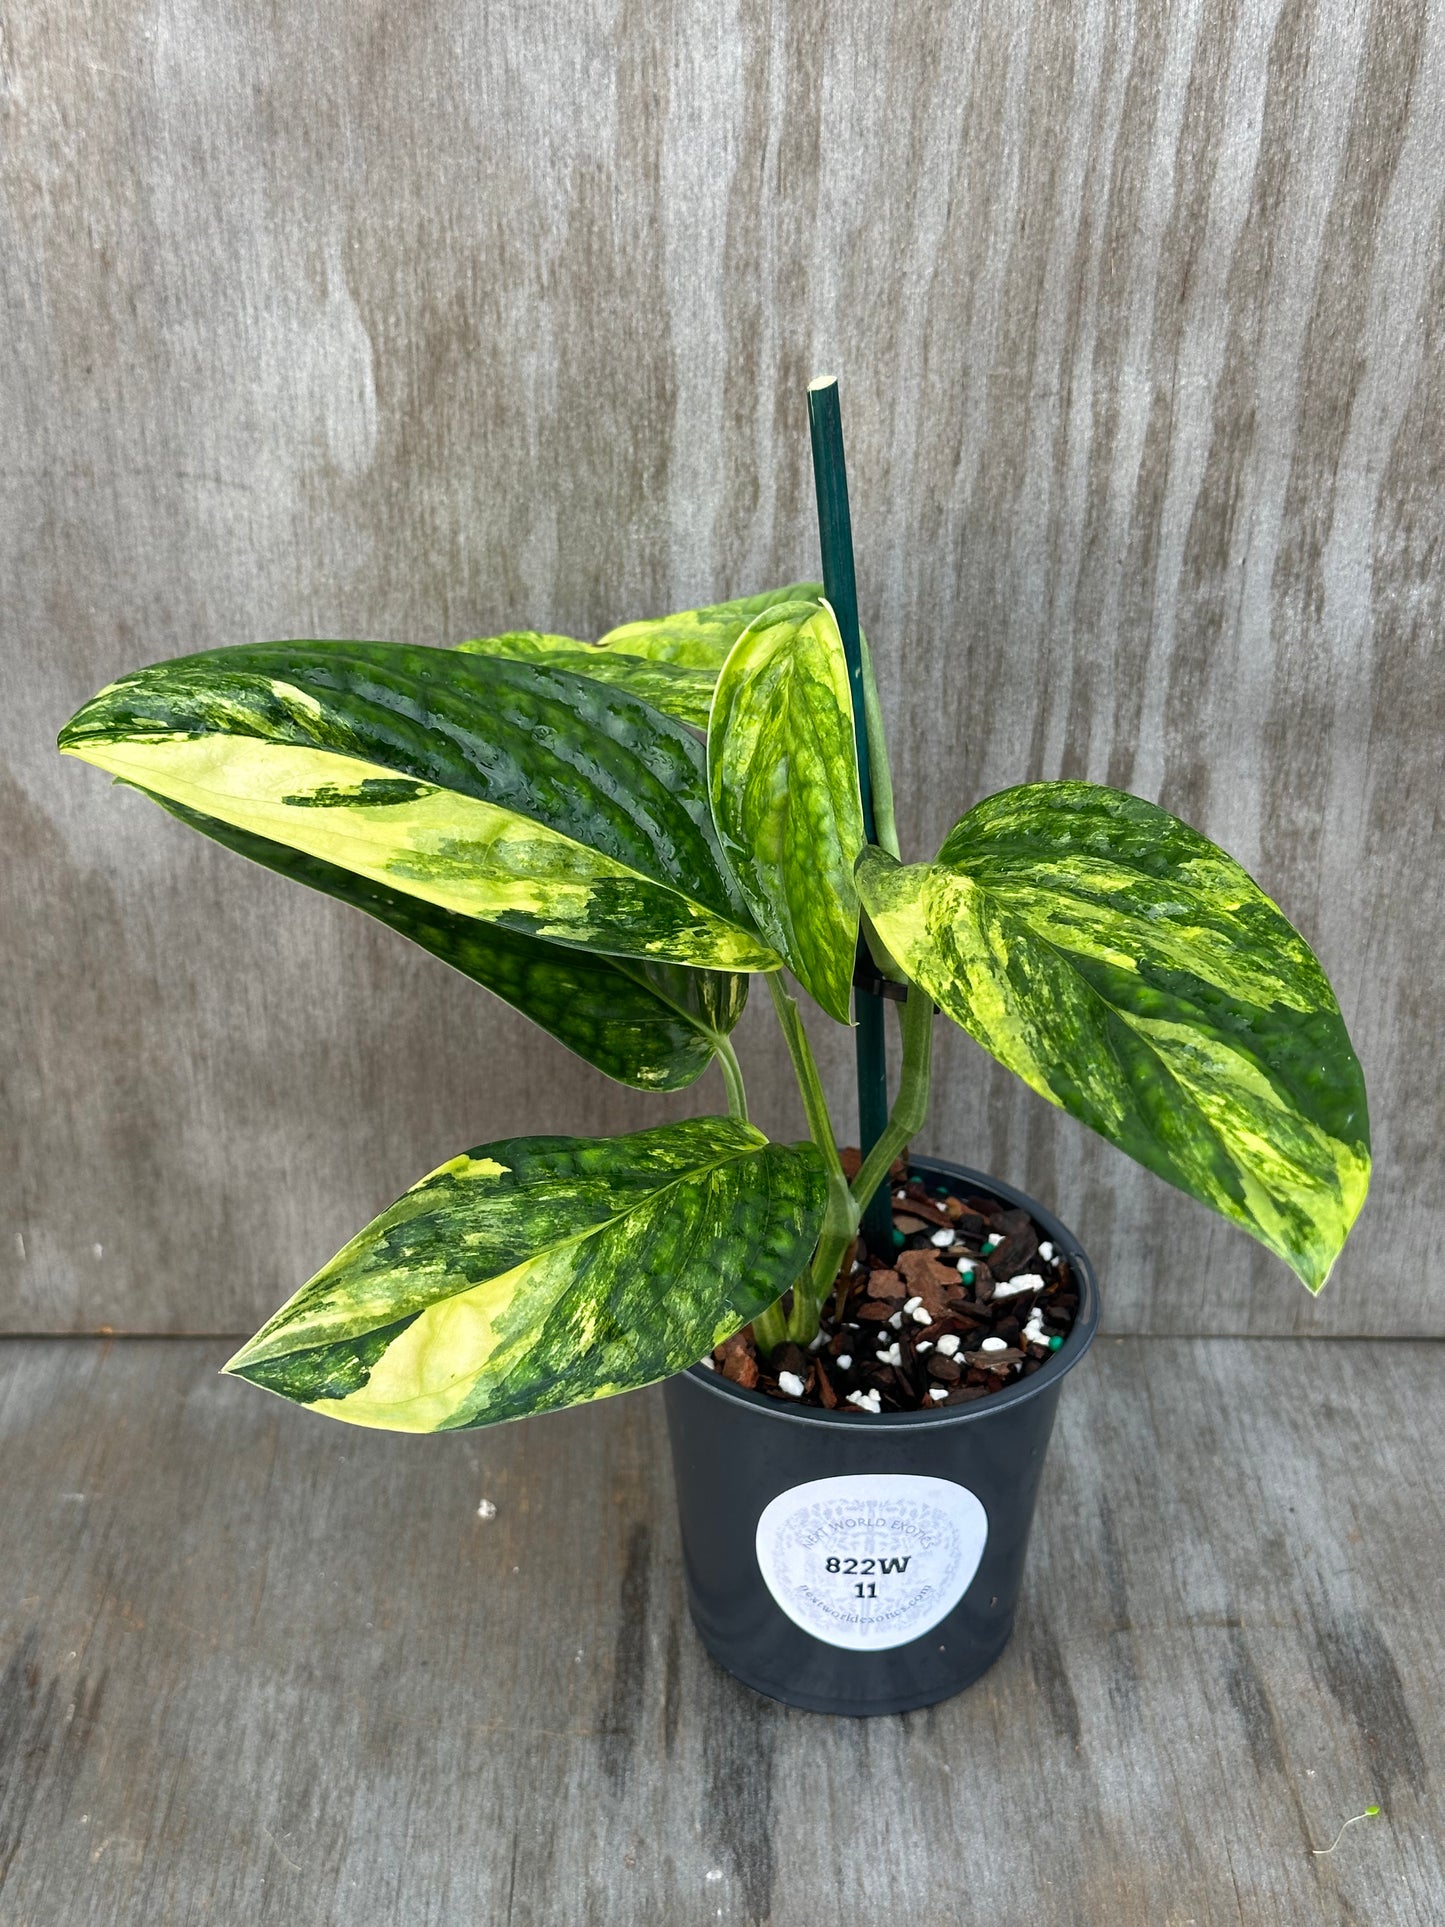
(1086,1324)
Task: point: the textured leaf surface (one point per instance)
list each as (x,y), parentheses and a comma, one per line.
(1133,974)
(701,638)
(505,790)
(540,1272)
(653,1026)
(677,691)
(783,777)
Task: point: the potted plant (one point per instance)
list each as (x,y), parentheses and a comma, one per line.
(617,838)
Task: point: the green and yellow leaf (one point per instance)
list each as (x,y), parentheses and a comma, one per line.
(783,777)
(701,638)
(651,1025)
(676,690)
(541,1272)
(508,791)
(1132,973)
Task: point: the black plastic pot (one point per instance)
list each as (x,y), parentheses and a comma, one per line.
(851,1564)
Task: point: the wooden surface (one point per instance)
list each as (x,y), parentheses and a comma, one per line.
(316,326)
(266,1668)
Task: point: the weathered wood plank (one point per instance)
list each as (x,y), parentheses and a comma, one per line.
(265,1668)
(312,328)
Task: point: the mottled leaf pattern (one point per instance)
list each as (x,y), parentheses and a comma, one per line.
(540,1272)
(1132,973)
(653,1026)
(669,686)
(510,791)
(783,777)
(701,638)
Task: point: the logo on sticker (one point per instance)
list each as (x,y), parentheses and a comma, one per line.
(871,1561)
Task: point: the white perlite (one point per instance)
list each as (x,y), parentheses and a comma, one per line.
(1011,1287)
(949,1344)
(1034,1333)
(790,1383)
(993,1345)
(892,1356)
(844,1361)
(922,1315)
(866,1401)
(938,1392)
(923,1345)
(942,1238)
(1046,1252)
(912,1304)
(486,1510)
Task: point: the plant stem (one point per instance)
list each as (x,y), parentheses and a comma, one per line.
(885,826)
(815,1104)
(840,1217)
(732,1072)
(770,1329)
(910,1106)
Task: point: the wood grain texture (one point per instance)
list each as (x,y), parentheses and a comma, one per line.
(264,1668)
(313,326)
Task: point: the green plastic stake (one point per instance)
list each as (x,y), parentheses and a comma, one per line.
(835,533)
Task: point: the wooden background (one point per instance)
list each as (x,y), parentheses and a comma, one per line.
(427,322)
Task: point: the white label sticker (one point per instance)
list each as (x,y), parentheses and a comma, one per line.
(871,1561)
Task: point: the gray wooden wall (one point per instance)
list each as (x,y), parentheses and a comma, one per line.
(426,321)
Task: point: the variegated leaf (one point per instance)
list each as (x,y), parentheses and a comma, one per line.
(783,777)
(701,638)
(540,1272)
(1133,974)
(651,1025)
(683,693)
(508,791)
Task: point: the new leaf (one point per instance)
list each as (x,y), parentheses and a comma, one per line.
(1133,974)
(783,777)
(539,1272)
